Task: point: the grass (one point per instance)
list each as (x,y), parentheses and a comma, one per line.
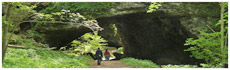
(23,40)
(139,63)
(148,64)
(42,58)
(179,66)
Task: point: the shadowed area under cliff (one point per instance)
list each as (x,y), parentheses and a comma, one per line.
(151,36)
(57,35)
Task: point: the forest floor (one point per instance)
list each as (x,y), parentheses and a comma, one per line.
(108,64)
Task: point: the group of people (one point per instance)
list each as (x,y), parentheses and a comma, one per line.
(99,55)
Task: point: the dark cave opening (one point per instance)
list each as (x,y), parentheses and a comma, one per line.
(55,35)
(158,37)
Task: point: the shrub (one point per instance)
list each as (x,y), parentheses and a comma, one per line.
(88,43)
(207,47)
(120,50)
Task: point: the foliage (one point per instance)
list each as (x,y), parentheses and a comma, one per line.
(179,66)
(87,58)
(42,58)
(20,11)
(217,26)
(63,15)
(211,65)
(225,20)
(207,47)
(24,40)
(120,50)
(23,10)
(85,8)
(222,30)
(139,63)
(154,6)
(88,43)
(192,66)
(212,47)
(114,29)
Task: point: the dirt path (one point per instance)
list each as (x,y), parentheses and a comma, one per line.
(108,64)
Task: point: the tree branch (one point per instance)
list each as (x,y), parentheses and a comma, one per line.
(16,46)
(211,29)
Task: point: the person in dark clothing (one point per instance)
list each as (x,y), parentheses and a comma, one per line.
(99,56)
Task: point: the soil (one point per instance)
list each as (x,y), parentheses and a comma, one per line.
(108,64)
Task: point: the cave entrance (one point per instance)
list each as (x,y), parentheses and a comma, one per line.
(55,35)
(158,37)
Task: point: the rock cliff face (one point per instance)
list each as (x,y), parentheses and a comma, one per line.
(110,34)
(57,34)
(160,36)
(122,9)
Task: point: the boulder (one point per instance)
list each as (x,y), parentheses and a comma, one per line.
(118,56)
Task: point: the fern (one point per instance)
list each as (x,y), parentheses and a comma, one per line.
(207,47)
(88,43)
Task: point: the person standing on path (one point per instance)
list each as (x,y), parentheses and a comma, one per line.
(107,55)
(99,56)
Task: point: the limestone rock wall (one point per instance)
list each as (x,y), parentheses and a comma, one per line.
(160,36)
(56,34)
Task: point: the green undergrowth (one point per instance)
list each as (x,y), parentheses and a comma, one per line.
(202,65)
(179,66)
(43,58)
(23,40)
(137,63)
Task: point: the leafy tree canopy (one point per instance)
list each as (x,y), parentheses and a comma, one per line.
(85,8)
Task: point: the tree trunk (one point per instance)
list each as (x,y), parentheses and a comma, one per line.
(226,39)
(222,30)
(5,30)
